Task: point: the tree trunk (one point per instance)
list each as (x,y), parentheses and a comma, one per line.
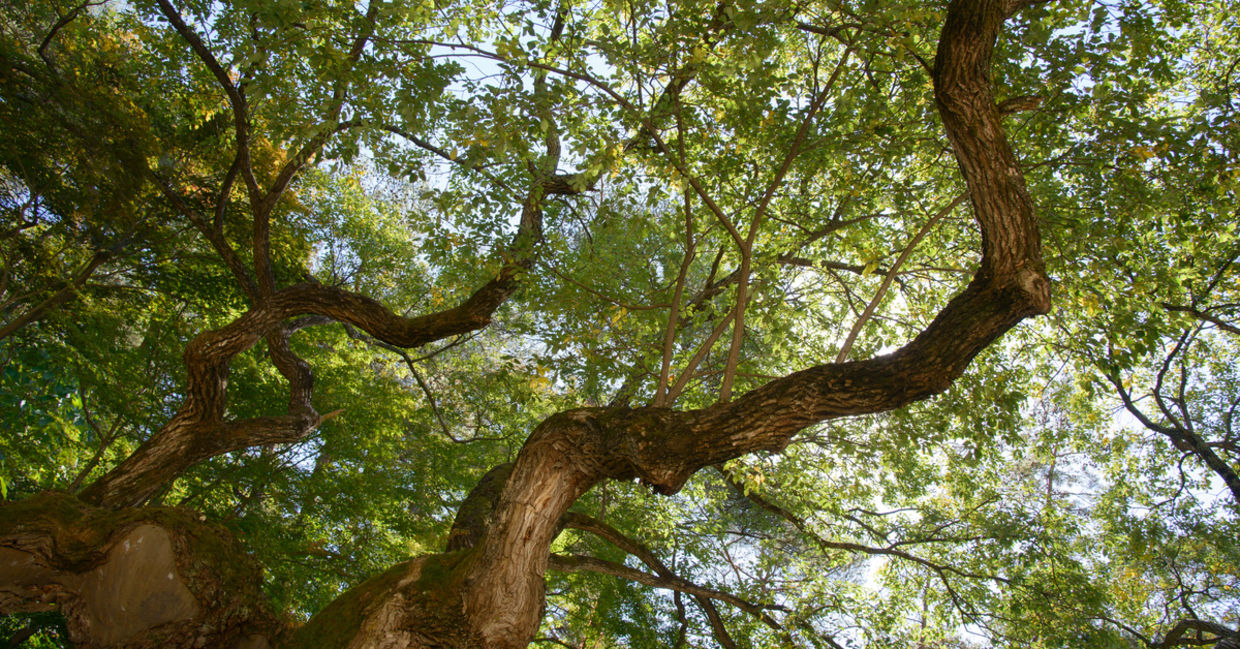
(132,579)
(486,590)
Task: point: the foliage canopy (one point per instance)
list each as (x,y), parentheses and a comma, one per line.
(312,270)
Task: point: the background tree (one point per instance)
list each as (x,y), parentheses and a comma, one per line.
(378,325)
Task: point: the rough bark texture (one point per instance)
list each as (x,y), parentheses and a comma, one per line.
(487,590)
(199,429)
(133,579)
(502,586)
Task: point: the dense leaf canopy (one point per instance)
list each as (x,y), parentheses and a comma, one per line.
(310,270)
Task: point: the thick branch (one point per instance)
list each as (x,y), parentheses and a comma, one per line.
(571,451)
(1176,635)
(199,431)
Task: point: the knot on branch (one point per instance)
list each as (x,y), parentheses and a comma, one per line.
(645,443)
(1037,289)
(1021,104)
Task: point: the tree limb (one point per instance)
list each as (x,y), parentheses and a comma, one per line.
(236,99)
(891,274)
(571,451)
(1175,636)
(612,535)
(64,294)
(825,544)
(579,563)
(1203,315)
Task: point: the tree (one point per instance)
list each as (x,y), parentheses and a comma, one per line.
(498,263)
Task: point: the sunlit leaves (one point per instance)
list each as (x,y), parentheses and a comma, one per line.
(1016,509)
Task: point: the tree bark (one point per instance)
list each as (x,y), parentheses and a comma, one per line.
(570,452)
(133,579)
(487,590)
(199,430)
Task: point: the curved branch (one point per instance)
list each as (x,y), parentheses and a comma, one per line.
(42,52)
(570,452)
(1175,636)
(199,431)
(1179,436)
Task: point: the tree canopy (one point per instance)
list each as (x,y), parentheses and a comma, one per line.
(829,323)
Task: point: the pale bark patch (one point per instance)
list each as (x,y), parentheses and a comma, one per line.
(135,589)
